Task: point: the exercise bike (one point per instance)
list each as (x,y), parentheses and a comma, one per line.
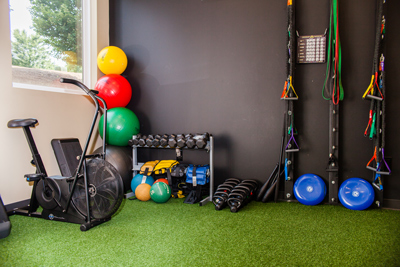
(90,197)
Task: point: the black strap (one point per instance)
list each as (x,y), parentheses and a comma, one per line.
(179,154)
(194,177)
(169,178)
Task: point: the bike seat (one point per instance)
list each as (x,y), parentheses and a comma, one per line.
(22,123)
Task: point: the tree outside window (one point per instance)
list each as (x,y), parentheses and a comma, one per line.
(46,41)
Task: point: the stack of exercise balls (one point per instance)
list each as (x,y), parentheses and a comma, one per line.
(146,188)
(141,185)
(116,91)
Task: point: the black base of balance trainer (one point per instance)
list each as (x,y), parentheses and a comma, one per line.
(5,224)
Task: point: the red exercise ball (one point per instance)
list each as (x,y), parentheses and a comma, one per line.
(163,180)
(115,90)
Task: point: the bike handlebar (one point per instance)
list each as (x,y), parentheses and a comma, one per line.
(79,84)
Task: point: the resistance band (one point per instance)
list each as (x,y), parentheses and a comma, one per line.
(289,144)
(374,89)
(376,93)
(333,89)
(383,164)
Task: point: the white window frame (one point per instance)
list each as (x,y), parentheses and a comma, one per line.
(89,46)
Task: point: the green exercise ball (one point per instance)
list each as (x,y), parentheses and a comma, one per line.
(160,192)
(122,124)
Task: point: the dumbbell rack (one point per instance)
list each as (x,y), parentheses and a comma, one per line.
(209,148)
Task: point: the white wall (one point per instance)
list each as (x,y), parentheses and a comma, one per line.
(60,116)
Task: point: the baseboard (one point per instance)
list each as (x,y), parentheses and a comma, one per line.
(15,205)
(387,204)
(391,204)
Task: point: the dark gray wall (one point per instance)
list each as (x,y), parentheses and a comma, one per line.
(219,66)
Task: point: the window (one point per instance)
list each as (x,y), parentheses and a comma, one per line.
(51,39)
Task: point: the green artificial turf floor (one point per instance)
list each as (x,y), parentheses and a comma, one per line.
(178,234)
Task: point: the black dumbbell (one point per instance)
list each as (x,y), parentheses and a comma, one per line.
(149,140)
(233,181)
(164,140)
(220,197)
(135,140)
(156,141)
(252,183)
(172,140)
(202,139)
(190,141)
(242,194)
(181,140)
(142,140)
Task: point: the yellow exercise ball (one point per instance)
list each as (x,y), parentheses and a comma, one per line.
(142,192)
(112,60)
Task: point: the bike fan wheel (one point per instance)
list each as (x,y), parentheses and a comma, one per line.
(105,187)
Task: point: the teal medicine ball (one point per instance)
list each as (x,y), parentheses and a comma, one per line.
(141,179)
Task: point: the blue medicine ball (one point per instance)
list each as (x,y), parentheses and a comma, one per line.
(141,179)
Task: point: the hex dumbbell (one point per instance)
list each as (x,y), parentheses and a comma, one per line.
(135,140)
(149,140)
(172,140)
(156,141)
(142,140)
(190,141)
(202,139)
(164,140)
(181,140)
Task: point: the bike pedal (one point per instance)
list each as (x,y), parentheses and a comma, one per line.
(34,177)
